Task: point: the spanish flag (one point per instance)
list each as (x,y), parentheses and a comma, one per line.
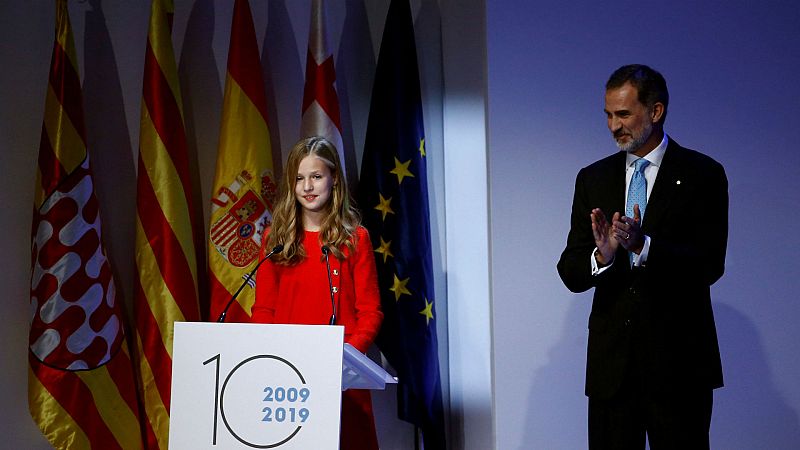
(244,185)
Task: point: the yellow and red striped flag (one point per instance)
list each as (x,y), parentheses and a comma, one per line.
(321,116)
(165,286)
(81,389)
(244,187)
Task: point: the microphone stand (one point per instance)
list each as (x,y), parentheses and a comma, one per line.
(277,249)
(325,251)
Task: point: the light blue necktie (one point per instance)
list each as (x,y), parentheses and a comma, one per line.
(637,193)
(637,190)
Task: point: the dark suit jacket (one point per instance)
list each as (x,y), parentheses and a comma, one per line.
(656,319)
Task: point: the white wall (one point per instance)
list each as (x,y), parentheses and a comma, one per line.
(731,68)
(468,245)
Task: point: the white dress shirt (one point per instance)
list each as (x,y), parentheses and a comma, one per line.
(650,172)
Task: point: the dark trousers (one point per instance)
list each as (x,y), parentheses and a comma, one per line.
(675,421)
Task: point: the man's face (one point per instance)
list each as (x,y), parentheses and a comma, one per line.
(630,121)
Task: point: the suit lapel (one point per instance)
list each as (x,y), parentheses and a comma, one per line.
(617,193)
(665,186)
(614,195)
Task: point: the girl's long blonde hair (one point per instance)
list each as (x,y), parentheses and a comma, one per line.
(338,229)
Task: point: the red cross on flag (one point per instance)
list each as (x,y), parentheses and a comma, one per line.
(320,102)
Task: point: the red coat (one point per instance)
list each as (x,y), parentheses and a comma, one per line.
(300,294)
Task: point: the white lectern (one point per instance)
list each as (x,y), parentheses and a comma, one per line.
(240,386)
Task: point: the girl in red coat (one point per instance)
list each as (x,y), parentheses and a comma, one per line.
(313,211)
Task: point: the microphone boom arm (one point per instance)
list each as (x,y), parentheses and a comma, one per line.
(325,251)
(277,249)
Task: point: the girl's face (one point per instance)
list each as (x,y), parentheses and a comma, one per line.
(313,184)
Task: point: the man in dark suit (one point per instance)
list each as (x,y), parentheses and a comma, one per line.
(648,231)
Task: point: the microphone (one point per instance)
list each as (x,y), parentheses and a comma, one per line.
(325,251)
(277,249)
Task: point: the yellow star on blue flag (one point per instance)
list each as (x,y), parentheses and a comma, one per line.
(394,169)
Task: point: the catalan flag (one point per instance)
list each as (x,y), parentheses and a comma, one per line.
(393,193)
(165,286)
(244,184)
(321,116)
(81,389)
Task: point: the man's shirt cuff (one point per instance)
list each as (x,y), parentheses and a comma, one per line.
(596,269)
(641,259)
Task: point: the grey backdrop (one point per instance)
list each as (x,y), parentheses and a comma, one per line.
(731,67)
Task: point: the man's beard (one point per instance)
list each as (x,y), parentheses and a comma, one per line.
(637,139)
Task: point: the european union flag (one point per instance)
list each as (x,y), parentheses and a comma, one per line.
(393,196)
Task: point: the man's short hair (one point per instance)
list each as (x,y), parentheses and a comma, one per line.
(650,85)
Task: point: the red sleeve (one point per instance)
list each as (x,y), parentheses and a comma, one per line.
(368,299)
(266,290)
